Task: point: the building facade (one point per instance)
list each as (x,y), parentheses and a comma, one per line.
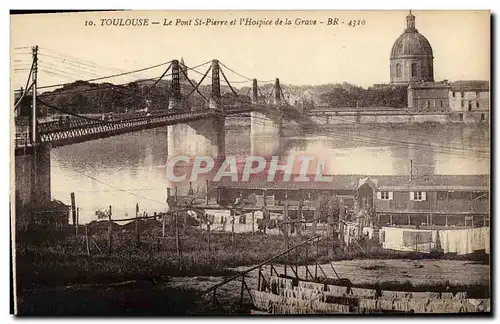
(430,200)
(429,96)
(469,96)
(427,201)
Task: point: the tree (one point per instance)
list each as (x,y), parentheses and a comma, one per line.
(326,208)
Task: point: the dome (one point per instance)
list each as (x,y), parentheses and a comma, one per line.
(411,56)
(411,43)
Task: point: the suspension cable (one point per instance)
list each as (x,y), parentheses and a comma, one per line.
(73,114)
(157,81)
(229,84)
(109,76)
(270,93)
(241,75)
(196,87)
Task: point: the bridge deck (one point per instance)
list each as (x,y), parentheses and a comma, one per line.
(61,132)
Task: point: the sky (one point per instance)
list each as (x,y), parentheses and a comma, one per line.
(299,55)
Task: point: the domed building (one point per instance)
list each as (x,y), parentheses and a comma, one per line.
(411,56)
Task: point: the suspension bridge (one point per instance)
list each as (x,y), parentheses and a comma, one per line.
(80,128)
(192,129)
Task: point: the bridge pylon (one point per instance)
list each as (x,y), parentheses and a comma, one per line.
(215,97)
(255,93)
(176,96)
(277,93)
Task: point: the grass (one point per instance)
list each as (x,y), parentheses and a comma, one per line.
(56,276)
(65,261)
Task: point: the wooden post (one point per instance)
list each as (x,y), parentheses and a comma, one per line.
(241,291)
(232,230)
(298,226)
(77,220)
(137,236)
(208,231)
(73,208)
(307,258)
(110,231)
(297,262)
(206,192)
(163,224)
(253,222)
(87,239)
(258,280)
(285,228)
(177,240)
(264,197)
(409,221)
(175,195)
(390,216)
(317,252)
(446,220)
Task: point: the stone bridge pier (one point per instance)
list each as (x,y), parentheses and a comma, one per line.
(201,137)
(266,127)
(204,137)
(32,175)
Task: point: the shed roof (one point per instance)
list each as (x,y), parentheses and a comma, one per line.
(382,182)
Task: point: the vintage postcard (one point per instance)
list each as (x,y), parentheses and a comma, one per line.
(251,162)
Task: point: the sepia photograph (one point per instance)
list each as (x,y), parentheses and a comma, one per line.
(250,163)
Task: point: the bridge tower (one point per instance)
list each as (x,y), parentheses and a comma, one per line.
(266,127)
(277,93)
(215,97)
(175,96)
(204,137)
(32,168)
(255,93)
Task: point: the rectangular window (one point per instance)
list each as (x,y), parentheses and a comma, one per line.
(477,94)
(384,195)
(453,94)
(418,196)
(477,104)
(461,117)
(462,94)
(462,104)
(442,195)
(483,117)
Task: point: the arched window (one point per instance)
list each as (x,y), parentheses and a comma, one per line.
(398,70)
(414,69)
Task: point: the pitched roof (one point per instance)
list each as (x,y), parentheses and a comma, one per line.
(470,85)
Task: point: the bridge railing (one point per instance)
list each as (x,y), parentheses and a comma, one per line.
(64,129)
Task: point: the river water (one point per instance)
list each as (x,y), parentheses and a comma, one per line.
(128,169)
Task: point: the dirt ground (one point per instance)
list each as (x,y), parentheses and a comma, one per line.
(420,274)
(176,294)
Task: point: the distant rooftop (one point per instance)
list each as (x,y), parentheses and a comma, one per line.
(382,182)
(470,85)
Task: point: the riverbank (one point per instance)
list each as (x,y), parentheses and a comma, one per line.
(66,272)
